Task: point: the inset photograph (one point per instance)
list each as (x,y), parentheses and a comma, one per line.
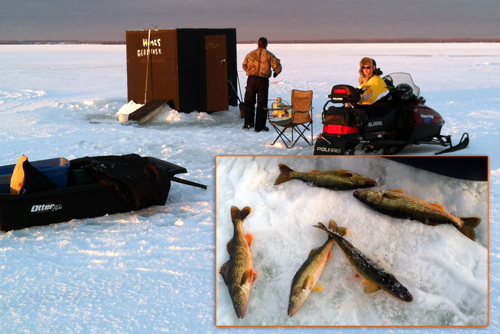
(351,241)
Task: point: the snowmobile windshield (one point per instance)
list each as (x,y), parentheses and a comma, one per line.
(402,77)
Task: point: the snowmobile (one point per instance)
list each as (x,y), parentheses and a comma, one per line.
(351,128)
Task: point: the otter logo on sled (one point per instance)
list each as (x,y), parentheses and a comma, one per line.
(39,208)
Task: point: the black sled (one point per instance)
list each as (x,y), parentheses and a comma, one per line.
(87,187)
(385,128)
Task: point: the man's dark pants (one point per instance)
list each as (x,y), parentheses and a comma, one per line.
(256,86)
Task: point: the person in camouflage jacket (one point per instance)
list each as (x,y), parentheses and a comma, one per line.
(257,65)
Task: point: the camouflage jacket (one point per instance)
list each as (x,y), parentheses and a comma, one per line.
(259,63)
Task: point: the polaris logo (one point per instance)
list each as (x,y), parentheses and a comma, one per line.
(426,116)
(39,208)
(377,123)
(329,149)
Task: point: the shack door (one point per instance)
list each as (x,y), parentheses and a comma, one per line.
(216,65)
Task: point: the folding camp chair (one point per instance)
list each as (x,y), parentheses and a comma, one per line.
(300,120)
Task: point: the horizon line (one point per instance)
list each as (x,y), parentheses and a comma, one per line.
(284,41)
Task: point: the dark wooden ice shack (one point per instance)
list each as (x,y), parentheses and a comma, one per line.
(191,67)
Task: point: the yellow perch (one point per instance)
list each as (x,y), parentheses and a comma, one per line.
(332,179)
(238,272)
(397,204)
(376,277)
(306,278)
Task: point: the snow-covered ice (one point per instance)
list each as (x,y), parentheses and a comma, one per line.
(156,270)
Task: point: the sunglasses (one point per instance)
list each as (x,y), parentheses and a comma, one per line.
(366,67)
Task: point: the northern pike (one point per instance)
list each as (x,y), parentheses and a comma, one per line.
(306,279)
(238,272)
(397,204)
(376,277)
(332,179)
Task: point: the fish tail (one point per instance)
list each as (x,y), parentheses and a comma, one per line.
(237,214)
(285,174)
(468,226)
(332,227)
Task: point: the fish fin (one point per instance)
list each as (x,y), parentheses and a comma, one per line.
(321,226)
(342,231)
(224,271)
(471,221)
(370,287)
(318,288)
(228,246)
(249,238)
(468,226)
(247,276)
(332,225)
(315,171)
(254,276)
(439,206)
(237,214)
(313,251)
(308,283)
(344,173)
(284,174)
(244,212)
(329,256)
(391,196)
(398,191)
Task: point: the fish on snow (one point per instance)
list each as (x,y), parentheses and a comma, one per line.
(397,204)
(238,273)
(306,279)
(376,277)
(332,179)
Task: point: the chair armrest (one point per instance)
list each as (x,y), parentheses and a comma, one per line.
(282,108)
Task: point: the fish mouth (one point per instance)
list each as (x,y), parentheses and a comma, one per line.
(292,311)
(370,183)
(407,297)
(360,195)
(241,310)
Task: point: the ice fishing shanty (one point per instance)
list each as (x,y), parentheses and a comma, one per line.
(192,68)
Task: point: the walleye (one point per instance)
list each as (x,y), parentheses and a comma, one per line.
(304,281)
(332,179)
(397,204)
(376,277)
(238,272)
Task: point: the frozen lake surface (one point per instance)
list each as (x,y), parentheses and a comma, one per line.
(156,270)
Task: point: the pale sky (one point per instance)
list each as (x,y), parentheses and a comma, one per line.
(101,20)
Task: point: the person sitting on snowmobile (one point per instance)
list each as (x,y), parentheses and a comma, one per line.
(374,92)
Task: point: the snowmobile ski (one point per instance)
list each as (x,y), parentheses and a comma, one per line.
(464,142)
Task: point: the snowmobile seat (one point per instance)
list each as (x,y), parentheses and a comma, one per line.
(344,93)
